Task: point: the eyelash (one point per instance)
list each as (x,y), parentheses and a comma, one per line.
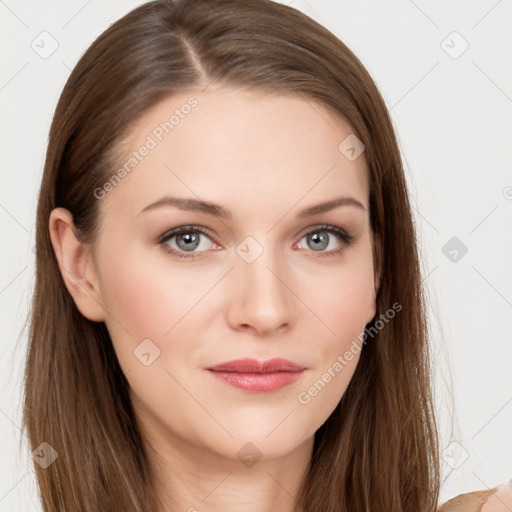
(345,237)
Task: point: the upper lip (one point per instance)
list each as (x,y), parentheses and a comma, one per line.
(256,366)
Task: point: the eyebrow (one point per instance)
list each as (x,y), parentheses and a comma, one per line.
(216,210)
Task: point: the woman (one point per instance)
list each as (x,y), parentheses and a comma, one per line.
(228,312)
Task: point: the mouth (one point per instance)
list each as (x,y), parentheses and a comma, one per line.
(254,375)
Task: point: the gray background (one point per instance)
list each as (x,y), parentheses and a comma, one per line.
(451,107)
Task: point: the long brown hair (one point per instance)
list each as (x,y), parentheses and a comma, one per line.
(378,451)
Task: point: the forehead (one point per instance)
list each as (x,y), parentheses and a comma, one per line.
(229,145)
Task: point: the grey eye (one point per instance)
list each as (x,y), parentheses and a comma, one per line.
(318,240)
(188,241)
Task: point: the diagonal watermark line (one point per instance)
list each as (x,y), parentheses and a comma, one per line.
(300,199)
(10,420)
(207,85)
(14,76)
(12,488)
(494,495)
(278,483)
(491,9)
(484,218)
(14,218)
(279,423)
(424,14)
(491,419)
(315,109)
(425,219)
(187,312)
(504,298)
(2,2)
(413,86)
(424,279)
(492,81)
(76,14)
(12,280)
(301,300)
(200,404)
(214,7)
(217,485)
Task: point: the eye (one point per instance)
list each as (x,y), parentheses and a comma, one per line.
(320,239)
(186,241)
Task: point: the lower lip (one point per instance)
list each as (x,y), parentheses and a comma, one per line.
(258,381)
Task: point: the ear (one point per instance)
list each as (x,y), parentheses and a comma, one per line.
(76,265)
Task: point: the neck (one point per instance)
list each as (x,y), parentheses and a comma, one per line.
(193,478)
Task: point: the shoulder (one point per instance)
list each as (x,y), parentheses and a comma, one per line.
(497,499)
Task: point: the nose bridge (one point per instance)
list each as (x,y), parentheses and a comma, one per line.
(258,263)
(264,300)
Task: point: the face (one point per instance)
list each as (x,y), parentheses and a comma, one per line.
(264,280)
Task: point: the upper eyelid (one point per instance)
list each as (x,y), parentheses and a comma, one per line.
(171,233)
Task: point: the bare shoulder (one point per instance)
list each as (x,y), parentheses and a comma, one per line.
(497,499)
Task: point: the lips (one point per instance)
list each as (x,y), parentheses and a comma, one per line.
(258,376)
(255,366)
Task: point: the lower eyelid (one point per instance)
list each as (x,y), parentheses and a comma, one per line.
(343,244)
(167,238)
(344,237)
(341,234)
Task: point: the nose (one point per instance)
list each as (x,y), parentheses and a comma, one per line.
(261,300)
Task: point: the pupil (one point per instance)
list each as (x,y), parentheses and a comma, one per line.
(191,241)
(321,241)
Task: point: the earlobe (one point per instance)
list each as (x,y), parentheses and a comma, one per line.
(76,265)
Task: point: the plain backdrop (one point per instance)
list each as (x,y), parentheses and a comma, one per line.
(445,72)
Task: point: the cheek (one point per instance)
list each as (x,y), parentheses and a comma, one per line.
(144,301)
(148,299)
(346,306)
(347,300)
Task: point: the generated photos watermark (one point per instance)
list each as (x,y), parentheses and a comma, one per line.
(304,397)
(156,136)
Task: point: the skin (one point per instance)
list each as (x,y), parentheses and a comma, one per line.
(497,499)
(265,158)
(501,500)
